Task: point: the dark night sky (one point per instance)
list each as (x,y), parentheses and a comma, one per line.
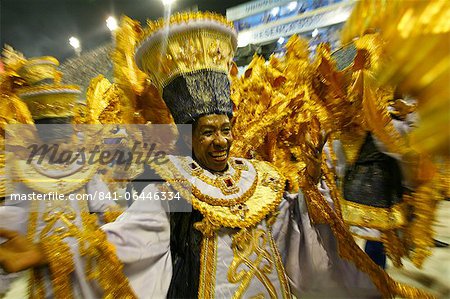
(43,27)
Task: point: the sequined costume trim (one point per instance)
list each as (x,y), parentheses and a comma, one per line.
(102,263)
(208,263)
(378,218)
(265,199)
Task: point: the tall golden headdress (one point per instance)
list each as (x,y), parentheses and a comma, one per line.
(50,101)
(188,59)
(38,69)
(44,95)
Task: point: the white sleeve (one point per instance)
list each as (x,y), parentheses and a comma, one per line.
(11,218)
(311,259)
(101,198)
(340,156)
(141,236)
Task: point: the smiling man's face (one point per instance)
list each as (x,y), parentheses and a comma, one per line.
(211,141)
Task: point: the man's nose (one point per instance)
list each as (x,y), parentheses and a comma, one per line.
(220,141)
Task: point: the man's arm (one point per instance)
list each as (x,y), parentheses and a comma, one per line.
(140,238)
(18,253)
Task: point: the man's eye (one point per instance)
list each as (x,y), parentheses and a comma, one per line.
(226,130)
(207,133)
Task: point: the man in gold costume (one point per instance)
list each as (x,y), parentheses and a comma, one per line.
(53,221)
(245,237)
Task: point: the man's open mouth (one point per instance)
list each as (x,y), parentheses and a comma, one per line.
(219,156)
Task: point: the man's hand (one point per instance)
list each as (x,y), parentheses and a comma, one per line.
(402,108)
(18,253)
(314,155)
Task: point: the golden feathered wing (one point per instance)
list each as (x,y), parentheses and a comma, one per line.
(284,106)
(283,115)
(131,99)
(415,49)
(276,117)
(149,106)
(416,35)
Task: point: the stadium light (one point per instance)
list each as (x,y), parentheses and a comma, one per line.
(111,23)
(168,2)
(76,45)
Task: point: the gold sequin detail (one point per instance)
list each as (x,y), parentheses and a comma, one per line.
(246,243)
(208,264)
(220,181)
(263,201)
(379,218)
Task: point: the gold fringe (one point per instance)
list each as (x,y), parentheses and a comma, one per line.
(349,250)
(394,247)
(61,264)
(106,268)
(425,201)
(208,263)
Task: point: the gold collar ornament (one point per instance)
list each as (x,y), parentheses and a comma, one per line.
(225,181)
(45,178)
(261,191)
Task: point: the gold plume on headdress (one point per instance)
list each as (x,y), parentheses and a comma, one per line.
(12,59)
(126,72)
(12,109)
(106,103)
(148,104)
